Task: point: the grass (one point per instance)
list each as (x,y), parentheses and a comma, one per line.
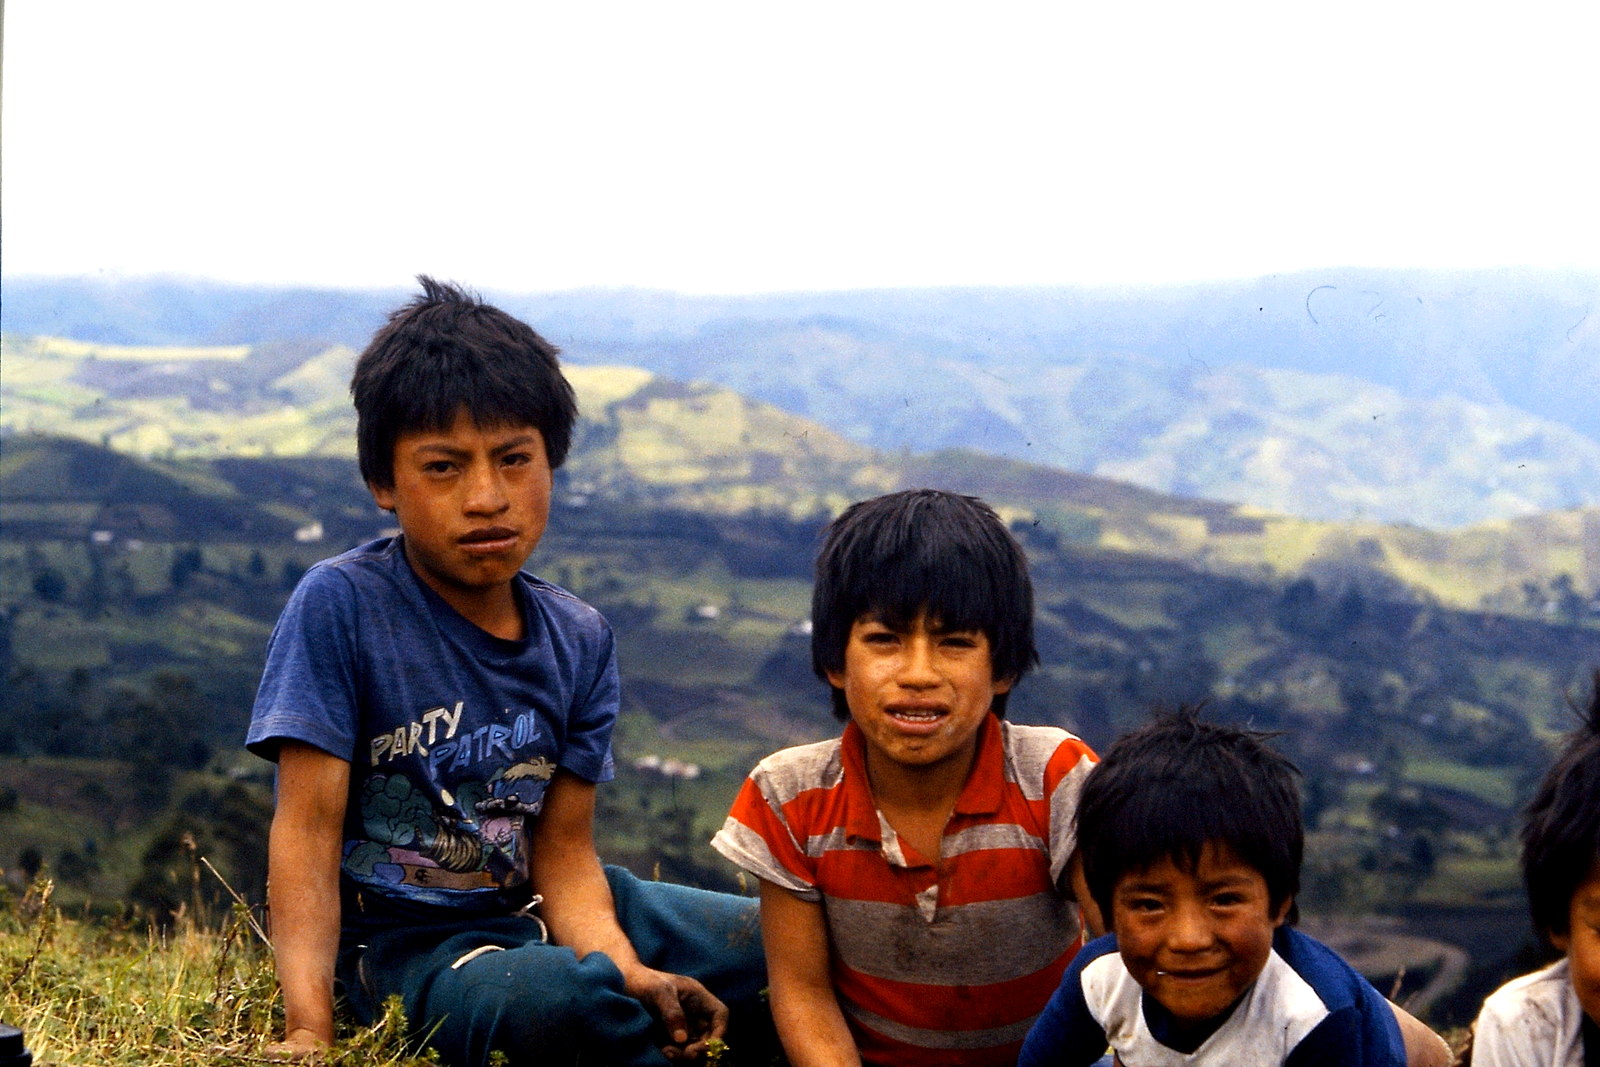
(110,994)
(202,994)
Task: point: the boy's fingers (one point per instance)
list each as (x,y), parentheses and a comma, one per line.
(709,1014)
(688,1011)
(717,1012)
(665,997)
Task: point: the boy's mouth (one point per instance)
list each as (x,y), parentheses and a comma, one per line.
(916,715)
(488,539)
(1192,974)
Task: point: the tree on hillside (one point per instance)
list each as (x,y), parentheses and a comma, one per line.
(160,727)
(1569,603)
(186,563)
(49,584)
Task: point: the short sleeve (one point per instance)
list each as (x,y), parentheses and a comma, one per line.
(1066,1033)
(593,716)
(1063,781)
(308,688)
(1351,1037)
(758,838)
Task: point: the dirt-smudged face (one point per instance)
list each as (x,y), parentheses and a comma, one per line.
(473,502)
(1195,940)
(918,692)
(1581,943)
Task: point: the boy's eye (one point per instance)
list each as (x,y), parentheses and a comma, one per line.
(516,459)
(959,641)
(438,466)
(1142,904)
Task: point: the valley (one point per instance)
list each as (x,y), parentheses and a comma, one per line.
(160,495)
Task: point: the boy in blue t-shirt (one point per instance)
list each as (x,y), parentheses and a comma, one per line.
(440,720)
(1191,838)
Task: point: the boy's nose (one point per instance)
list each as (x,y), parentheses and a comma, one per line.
(1188,930)
(916,665)
(485,493)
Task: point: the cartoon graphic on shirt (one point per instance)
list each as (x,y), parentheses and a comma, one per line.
(519,789)
(411,843)
(428,839)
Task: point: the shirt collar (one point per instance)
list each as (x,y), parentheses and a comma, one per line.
(981,795)
(986,782)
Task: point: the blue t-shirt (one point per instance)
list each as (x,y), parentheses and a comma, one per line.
(1308,1008)
(452,734)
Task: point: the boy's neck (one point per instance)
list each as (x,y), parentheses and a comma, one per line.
(918,800)
(1184,1037)
(495,609)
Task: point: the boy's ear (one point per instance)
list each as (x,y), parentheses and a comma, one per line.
(1562,942)
(384,498)
(1003,685)
(835,679)
(1283,912)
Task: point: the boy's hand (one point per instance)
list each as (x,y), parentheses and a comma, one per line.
(691,1015)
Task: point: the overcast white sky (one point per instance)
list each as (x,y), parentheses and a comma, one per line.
(750,146)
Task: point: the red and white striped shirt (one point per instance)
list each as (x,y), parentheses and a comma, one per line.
(935,961)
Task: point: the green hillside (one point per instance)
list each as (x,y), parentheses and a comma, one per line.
(1438,398)
(1418,675)
(132,628)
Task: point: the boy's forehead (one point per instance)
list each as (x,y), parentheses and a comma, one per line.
(464,421)
(918,619)
(1216,860)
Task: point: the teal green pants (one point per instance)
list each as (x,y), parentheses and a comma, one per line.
(539,1004)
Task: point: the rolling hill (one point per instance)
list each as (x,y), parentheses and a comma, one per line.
(1434,399)
(696,446)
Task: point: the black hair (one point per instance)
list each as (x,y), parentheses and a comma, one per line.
(920,551)
(1561,828)
(1177,784)
(447,351)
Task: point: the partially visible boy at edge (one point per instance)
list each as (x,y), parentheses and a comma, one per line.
(1551,1018)
(440,719)
(916,873)
(1191,837)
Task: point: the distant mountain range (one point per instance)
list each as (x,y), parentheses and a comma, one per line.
(656,442)
(1434,399)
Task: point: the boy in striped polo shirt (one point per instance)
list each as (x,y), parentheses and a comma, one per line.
(917,873)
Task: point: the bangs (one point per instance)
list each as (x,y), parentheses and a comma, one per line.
(1167,821)
(1561,828)
(452,379)
(955,589)
(448,352)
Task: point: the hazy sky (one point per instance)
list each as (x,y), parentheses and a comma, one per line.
(749,146)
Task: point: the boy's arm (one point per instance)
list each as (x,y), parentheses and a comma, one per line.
(1066,1032)
(582,916)
(1424,1048)
(303,891)
(1094,924)
(804,1007)
(1348,1036)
